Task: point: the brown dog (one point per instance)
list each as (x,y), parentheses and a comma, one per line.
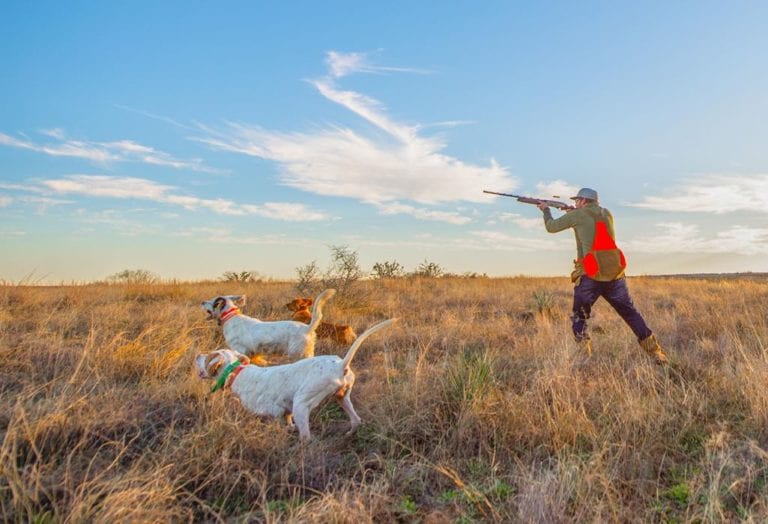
(301,313)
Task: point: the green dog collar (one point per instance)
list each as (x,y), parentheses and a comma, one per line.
(223,378)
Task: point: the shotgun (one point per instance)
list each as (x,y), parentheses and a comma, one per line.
(535,201)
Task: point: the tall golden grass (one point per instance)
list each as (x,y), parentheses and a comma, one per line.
(476,407)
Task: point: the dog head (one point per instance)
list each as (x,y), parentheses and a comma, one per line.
(209,365)
(216,306)
(300,303)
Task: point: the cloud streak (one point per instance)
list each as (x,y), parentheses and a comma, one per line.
(393,164)
(225,236)
(104,152)
(713,194)
(499,241)
(396,208)
(345,64)
(121,224)
(557,189)
(519,220)
(142,189)
(676,237)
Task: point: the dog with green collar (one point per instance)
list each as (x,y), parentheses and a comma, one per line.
(290,390)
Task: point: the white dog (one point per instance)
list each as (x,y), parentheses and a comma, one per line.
(290,390)
(251,336)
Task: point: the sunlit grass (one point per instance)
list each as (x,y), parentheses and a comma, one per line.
(476,407)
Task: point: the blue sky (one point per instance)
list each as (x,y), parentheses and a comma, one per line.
(190,140)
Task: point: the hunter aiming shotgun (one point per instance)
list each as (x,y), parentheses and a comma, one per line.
(599,271)
(535,201)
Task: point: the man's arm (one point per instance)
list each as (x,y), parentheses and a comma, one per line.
(555,225)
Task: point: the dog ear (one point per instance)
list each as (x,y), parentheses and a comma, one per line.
(239,300)
(306,302)
(213,367)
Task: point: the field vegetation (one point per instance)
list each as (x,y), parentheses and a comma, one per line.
(477,406)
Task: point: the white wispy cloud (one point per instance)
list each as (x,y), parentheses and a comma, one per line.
(109,186)
(556,188)
(397,163)
(345,64)
(143,189)
(20,187)
(500,241)
(225,236)
(480,240)
(122,224)
(43,203)
(448,123)
(519,220)
(71,148)
(713,194)
(676,237)
(104,152)
(54,133)
(154,116)
(397,208)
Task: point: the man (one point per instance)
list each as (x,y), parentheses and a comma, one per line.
(599,270)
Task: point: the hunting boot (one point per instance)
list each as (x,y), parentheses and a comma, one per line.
(585,346)
(652,347)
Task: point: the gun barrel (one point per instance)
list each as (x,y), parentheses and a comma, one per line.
(502,194)
(535,201)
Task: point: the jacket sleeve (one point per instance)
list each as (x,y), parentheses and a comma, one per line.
(609,223)
(555,225)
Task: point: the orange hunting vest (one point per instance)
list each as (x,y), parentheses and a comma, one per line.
(605,261)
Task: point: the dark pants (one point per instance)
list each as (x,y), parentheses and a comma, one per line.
(616,294)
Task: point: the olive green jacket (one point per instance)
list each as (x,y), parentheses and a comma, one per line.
(583,223)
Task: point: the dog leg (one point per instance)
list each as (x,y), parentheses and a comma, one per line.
(346,404)
(301,418)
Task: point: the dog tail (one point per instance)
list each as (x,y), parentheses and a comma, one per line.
(317,308)
(356,345)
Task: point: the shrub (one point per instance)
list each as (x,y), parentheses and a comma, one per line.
(133,276)
(242,276)
(308,278)
(343,271)
(429,270)
(388,269)
(544,302)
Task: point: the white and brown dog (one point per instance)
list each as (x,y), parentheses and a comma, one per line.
(251,336)
(291,390)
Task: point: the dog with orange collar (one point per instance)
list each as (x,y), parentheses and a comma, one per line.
(251,336)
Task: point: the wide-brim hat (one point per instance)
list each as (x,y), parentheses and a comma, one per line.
(586,192)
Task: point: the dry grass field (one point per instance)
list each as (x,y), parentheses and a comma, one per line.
(477,407)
